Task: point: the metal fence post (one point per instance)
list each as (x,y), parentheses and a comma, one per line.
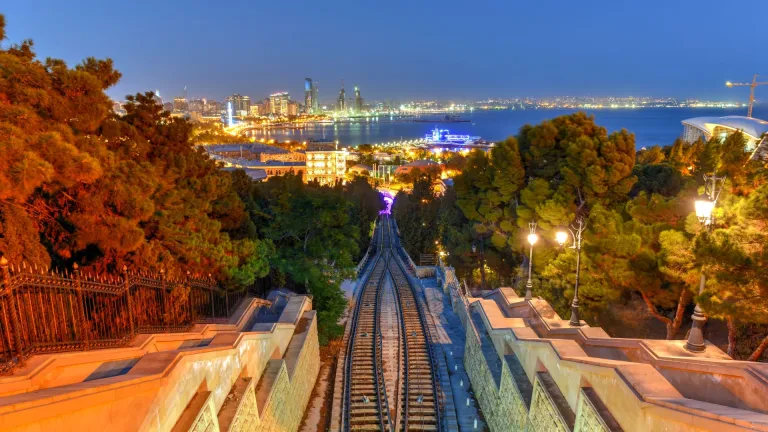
(190,302)
(129,300)
(14,317)
(81,305)
(166,309)
(213,310)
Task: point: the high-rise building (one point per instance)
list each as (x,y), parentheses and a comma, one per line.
(180,104)
(211,108)
(341,104)
(293,108)
(241,105)
(257,109)
(310,96)
(196,106)
(267,107)
(278,103)
(358,100)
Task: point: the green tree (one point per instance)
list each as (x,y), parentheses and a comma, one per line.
(650,156)
(79,184)
(416,215)
(316,231)
(487,192)
(734,258)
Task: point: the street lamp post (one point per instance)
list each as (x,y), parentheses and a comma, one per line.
(704,205)
(482,263)
(532,239)
(577,228)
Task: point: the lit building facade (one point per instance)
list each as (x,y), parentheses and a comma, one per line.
(293,108)
(310,96)
(326,167)
(358,100)
(341,103)
(180,104)
(254,152)
(258,110)
(278,103)
(706,128)
(241,105)
(196,106)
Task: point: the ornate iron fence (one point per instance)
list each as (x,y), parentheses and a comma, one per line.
(45,311)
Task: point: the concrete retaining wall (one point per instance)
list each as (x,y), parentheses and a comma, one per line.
(290,394)
(525,382)
(180,388)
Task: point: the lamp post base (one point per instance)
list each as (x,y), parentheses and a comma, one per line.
(528,288)
(695,342)
(575,320)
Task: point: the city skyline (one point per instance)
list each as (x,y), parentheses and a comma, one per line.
(417,52)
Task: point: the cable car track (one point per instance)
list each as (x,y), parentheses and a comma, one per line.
(365,404)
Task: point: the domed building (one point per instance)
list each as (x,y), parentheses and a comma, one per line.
(706,128)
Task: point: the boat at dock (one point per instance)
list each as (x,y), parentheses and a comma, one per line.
(444,139)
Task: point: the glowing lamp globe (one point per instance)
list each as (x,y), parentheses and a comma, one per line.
(533,238)
(561,237)
(704,207)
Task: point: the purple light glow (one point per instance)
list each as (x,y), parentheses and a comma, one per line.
(388,199)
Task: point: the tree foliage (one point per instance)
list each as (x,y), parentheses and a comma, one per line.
(80,184)
(643,240)
(318,233)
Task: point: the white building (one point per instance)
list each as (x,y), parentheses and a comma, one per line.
(326,167)
(705,128)
(278,103)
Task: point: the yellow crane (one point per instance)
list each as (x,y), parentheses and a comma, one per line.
(752,86)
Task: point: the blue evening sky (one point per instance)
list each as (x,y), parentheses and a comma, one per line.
(409,49)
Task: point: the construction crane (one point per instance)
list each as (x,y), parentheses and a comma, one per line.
(751,86)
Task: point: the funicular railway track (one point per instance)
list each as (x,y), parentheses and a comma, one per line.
(420,408)
(366,404)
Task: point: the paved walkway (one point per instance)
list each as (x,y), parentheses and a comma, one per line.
(451,337)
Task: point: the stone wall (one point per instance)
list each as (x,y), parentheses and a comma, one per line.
(503,406)
(553,384)
(197,387)
(292,389)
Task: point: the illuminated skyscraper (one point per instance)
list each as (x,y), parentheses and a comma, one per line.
(341,104)
(241,105)
(310,96)
(180,104)
(278,103)
(292,108)
(358,100)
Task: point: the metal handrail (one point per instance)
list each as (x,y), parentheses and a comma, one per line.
(45,311)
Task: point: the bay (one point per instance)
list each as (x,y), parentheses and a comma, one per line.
(651,126)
